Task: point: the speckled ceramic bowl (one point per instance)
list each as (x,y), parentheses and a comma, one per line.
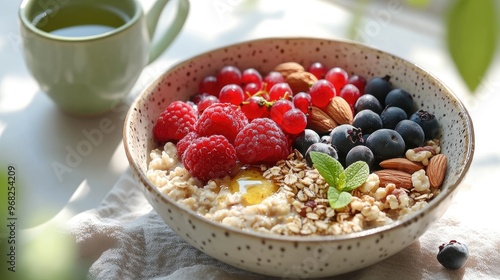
(299,257)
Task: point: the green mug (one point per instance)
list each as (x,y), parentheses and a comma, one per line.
(87,54)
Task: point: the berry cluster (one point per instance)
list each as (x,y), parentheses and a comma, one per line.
(211,143)
(249,118)
(384,126)
(257,96)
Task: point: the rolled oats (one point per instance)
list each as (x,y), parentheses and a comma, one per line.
(293,227)
(302,196)
(290,179)
(309,192)
(312,216)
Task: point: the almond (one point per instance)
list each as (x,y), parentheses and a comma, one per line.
(436,169)
(300,81)
(400,178)
(402,164)
(287,68)
(339,110)
(319,121)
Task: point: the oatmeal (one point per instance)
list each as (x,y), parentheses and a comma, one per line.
(241,151)
(299,204)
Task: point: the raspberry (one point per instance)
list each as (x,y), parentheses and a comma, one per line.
(223,119)
(210,157)
(184,143)
(261,141)
(177,120)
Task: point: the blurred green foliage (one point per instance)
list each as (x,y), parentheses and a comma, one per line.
(472,38)
(3,230)
(51,254)
(472,34)
(418,3)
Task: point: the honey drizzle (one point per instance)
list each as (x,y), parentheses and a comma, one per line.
(252,185)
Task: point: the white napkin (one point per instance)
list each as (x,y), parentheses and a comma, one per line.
(126,239)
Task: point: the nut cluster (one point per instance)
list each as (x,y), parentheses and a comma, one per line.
(420,161)
(337,112)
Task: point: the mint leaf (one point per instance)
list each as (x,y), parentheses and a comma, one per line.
(338,199)
(332,195)
(472,36)
(356,174)
(343,200)
(328,167)
(341,181)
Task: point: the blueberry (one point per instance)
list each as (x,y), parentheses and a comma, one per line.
(368,101)
(412,133)
(322,148)
(326,139)
(344,137)
(402,99)
(453,255)
(379,87)
(365,136)
(360,153)
(385,144)
(428,122)
(367,120)
(391,116)
(305,139)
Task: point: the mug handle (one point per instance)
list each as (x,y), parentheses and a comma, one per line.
(166,39)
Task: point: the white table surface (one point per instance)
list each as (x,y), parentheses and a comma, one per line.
(35,136)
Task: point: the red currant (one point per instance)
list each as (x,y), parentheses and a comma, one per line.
(350,93)
(251,89)
(321,93)
(302,101)
(318,69)
(229,75)
(199,97)
(209,85)
(255,107)
(250,75)
(338,77)
(279,108)
(359,82)
(232,94)
(207,101)
(280,91)
(294,121)
(273,78)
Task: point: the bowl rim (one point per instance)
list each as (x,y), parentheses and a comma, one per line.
(408,219)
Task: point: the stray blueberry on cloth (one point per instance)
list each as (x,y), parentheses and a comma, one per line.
(453,255)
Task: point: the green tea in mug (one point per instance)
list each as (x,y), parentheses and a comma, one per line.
(80,20)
